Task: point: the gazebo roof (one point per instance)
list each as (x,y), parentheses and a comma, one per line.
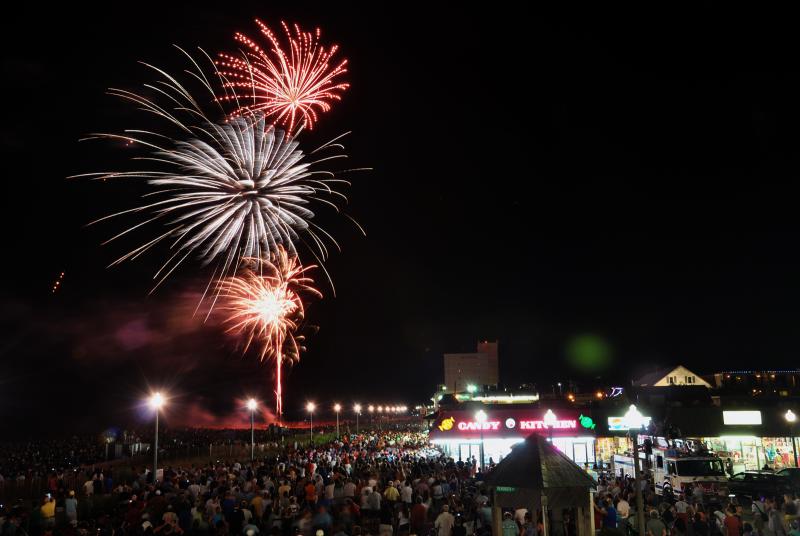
(538,465)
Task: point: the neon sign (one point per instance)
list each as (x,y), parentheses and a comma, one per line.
(542,425)
(474,425)
(502,422)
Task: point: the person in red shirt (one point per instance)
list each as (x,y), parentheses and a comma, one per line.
(733,525)
(311,493)
(419,516)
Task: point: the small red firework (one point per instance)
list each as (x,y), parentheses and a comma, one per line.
(291,87)
(264,306)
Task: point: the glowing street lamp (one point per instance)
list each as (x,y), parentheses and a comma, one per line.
(357,409)
(481,417)
(471,388)
(791,418)
(550,418)
(310,408)
(634,421)
(634,418)
(252,404)
(156,402)
(109,437)
(337,408)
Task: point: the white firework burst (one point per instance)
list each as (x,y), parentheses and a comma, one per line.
(229,190)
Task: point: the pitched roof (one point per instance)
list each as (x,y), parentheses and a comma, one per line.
(536,464)
(652,377)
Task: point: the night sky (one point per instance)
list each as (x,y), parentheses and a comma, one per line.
(537,177)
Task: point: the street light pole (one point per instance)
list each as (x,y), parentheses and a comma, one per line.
(251,405)
(791,418)
(310,407)
(337,408)
(156,401)
(155,453)
(357,407)
(635,421)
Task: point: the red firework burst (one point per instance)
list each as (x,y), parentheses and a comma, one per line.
(290,86)
(264,306)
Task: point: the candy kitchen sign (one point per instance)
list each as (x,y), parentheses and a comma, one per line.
(512,423)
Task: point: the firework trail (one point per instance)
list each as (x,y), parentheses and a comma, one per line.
(288,85)
(263,305)
(234,189)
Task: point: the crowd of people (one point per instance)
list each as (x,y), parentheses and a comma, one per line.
(25,460)
(43,459)
(375,483)
(381,483)
(695,511)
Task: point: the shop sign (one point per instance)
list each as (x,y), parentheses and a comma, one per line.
(619,424)
(542,425)
(475,425)
(741,417)
(502,422)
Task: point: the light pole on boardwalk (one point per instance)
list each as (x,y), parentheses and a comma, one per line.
(791,418)
(337,408)
(357,409)
(634,422)
(310,408)
(252,405)
(156,402)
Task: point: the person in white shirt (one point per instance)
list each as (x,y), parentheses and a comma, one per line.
(681,505)
(444,522)
(519,516)
(406,493)
(623,509)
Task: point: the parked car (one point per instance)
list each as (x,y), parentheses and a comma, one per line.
(759,484)
(793,474)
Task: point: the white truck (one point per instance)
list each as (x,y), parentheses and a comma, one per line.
(672,469)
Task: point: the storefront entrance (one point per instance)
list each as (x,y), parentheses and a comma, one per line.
(467,450)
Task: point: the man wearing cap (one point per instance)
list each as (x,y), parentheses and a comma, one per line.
(444,522)
(510,527)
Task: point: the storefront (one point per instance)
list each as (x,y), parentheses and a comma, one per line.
(752,440)
(460,432)
(614,432)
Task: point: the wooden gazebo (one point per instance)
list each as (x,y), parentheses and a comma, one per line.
(538,476)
